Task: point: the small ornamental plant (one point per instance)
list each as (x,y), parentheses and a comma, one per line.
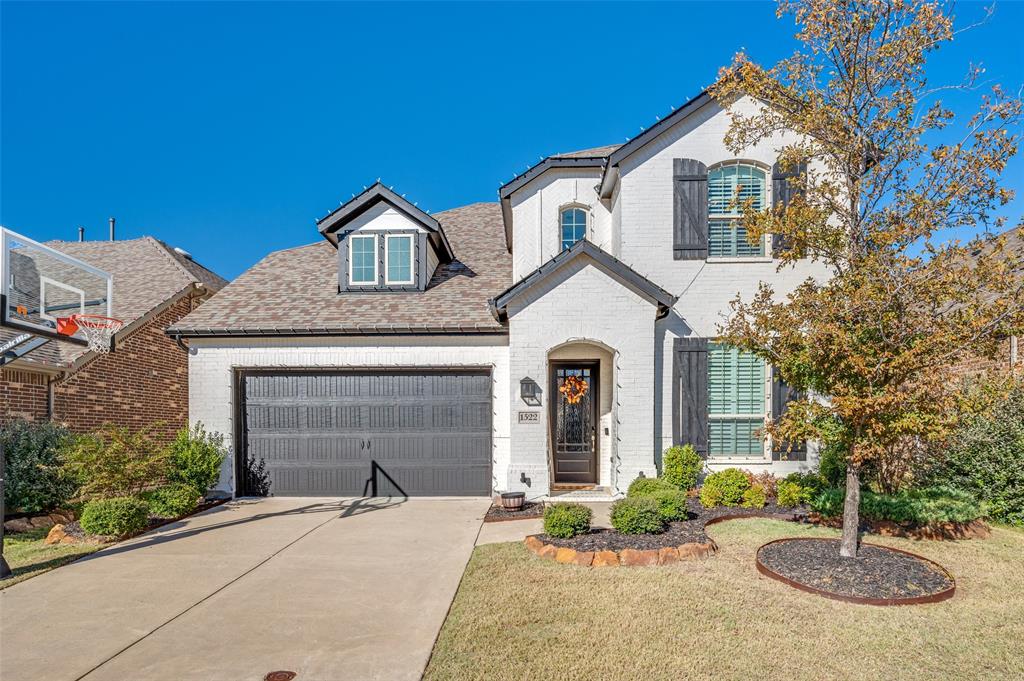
(566,520)
(637,515)
(172,501)
(755,497)
(724,488)
(115,517)
(682,466)
(671,504)
(643,487)
(789,493)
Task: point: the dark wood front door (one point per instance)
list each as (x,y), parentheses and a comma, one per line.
(574,421)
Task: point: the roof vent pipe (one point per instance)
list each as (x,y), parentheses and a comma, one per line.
(81,233)
(111,229)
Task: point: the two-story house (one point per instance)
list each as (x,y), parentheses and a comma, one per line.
(556,341)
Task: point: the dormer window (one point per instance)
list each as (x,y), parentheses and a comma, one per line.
(363,260)
(398,260)
(574,226)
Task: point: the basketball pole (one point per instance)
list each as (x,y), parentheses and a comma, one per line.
(5,569)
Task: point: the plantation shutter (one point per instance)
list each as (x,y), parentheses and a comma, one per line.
(690,209)
(783,394)
(690,393)
(783,191)
(736,406)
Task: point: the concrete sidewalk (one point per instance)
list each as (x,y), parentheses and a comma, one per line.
(331,589)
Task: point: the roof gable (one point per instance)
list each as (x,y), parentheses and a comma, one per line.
(336,220)
(611,265)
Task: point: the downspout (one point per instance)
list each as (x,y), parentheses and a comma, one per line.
(177,339)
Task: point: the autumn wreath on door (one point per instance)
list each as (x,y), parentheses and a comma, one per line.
(573,388)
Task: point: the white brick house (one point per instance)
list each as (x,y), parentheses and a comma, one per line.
(558,340)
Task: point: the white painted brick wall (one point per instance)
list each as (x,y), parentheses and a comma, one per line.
(212,363)
(581,303)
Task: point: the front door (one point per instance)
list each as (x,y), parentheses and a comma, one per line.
(574,403)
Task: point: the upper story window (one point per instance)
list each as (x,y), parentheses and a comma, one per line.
(573,226)
(398,259)
(363,259)
(729,187)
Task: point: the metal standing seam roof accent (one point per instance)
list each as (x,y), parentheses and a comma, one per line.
(371,196)
(612,265)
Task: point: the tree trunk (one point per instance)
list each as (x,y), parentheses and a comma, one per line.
(851,512)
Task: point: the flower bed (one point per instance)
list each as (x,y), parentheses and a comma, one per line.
(531,509)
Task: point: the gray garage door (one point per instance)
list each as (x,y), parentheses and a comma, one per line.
(418,433)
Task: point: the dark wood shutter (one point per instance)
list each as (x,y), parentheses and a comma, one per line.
(690,393)
(783,394)
(783,191)
(690,209)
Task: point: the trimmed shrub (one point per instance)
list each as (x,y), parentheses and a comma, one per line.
(766,480)
(115,517)
(566,520)
(116,462)
(173,501)
(986,459)
(681,466)
(813,484)
(34,479)
(645,487)
(194,458)
(755,497)
(671,504)
(790,493)
(637,515)
(724,488)
(922,507)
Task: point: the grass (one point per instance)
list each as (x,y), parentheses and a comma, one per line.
(28,556)
(518,617)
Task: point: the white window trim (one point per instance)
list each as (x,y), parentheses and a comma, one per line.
(766,244)
(376,274)
(766,453)
(587,220)
(387,267)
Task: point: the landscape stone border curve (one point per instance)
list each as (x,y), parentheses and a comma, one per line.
(862,600)
(624,557)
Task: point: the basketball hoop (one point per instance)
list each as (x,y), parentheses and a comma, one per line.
(98,330)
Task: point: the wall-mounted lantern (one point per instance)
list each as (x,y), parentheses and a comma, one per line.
(529,391)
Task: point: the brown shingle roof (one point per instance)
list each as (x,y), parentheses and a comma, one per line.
(146,272)
(594,152)
(295,291)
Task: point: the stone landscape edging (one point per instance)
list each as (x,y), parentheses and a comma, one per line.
(862,600)
(623,557)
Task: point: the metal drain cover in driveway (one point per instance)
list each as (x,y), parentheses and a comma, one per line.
(279,676)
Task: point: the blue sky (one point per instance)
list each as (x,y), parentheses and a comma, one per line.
(227,129)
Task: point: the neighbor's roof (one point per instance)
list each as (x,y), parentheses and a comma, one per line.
(146,272)
(295,291)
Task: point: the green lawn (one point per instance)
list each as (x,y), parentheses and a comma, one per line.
(28,556)
(518,617)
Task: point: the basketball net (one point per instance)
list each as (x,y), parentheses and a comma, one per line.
(98,330)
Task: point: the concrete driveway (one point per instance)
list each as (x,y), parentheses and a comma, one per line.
(330,589)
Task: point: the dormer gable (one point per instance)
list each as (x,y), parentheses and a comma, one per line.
(384,242)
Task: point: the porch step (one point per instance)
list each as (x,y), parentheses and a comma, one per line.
(589,493)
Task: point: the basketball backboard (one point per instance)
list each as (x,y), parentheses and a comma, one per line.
(40,288)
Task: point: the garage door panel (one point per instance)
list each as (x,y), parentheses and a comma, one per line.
(323,433)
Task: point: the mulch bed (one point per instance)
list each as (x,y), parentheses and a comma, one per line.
(680,532)
(530,509)
(878,576)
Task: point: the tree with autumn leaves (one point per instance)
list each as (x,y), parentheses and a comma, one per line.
(876,196)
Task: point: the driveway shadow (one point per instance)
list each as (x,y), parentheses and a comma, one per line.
(346,508)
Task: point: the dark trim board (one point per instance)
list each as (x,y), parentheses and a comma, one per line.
(241,434)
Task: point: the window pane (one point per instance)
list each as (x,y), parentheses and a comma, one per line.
(736,402)
(364,258)
(574,226)
(400,259)
(735,183)
(728,238)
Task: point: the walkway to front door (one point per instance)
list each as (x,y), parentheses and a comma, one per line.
(327,588)
(574,421)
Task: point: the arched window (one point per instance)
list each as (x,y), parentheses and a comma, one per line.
(729,187)
(573,226)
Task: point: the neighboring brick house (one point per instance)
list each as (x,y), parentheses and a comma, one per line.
(558,339)
(145,381)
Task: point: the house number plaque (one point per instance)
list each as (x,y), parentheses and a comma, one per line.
(529,417)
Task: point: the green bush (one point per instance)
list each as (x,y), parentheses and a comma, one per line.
(671,504)
(724,488)
(34,479)
(566,520)
(195,457)
(115,517)
(789,493)
(173,501)
(116,462)
(813,484)
(681,466)
(832,465)
(986,459)
(645,487)
(755,497)
(637,515)
(921,507)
